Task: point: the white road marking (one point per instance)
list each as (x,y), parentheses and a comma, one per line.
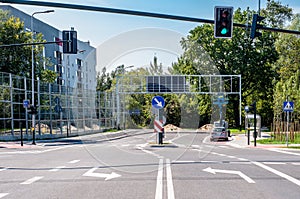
(2,195)
(242,175)
(169,180)
(274,163)
(296,163)
(159,180)
(107,176)
(283,175)
(230,156)
(32,180)
(3,169)
(286,152)
(183,161)
(57,168)
(74,161)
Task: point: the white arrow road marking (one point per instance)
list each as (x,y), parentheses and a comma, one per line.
(214,171)
(32,180)
(2,195)
(107,176)
(158,102)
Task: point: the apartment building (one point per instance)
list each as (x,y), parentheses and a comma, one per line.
(77,71)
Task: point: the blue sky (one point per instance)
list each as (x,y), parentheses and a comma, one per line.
(108,32)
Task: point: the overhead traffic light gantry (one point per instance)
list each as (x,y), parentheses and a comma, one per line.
(223,22)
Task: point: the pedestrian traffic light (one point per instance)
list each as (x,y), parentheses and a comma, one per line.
(223,22)
(70,41)
(255,25)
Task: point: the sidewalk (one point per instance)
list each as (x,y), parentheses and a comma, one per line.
(241,140)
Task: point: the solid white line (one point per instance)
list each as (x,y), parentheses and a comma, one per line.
(286,152)
(169,180)
(32,180)
(57,168)
(2,195)
(74,161)
(274,163)
(296,163)
(283,175)
(183,161)
(159,180)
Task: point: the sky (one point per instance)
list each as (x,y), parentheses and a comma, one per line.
(105,29)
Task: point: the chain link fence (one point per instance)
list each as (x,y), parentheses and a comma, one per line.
(62,111)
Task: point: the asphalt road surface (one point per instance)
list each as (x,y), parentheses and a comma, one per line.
(187,165)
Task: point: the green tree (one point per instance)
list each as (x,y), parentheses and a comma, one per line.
(288,68)
(252,59)
(17,59)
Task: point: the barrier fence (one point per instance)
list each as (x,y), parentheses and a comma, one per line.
(62,111)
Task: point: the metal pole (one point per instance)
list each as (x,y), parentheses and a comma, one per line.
(32,71)
(287,129)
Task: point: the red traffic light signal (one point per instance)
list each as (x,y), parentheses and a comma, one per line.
(223,22)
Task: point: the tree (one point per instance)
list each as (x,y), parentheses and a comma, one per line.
(288,68)
(252,59)
(17,59)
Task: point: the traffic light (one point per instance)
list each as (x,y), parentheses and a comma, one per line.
(70,42)
(32,110)
(223,22)
(256,19)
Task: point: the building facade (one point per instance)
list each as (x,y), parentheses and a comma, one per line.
(73,70)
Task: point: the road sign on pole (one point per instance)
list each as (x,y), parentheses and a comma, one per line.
(26,103)
(288,106)
(158,102)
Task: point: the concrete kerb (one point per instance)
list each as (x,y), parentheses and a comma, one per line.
(81,139)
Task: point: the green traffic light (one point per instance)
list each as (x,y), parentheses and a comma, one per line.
(224,31)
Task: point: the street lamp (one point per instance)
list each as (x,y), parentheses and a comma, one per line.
(118,94)
(32,70)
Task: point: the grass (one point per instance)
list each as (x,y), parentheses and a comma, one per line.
(236,131)
(273,140)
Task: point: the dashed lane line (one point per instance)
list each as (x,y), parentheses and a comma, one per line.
(32,180)
(57,168)
(74,161)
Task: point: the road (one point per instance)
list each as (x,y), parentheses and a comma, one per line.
(188,165)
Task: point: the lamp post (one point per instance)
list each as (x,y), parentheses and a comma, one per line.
(118,93)
(32,70)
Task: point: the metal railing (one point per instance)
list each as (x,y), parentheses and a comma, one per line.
(62,111)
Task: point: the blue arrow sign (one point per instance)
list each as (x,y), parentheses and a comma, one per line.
(158,102)
(288,106)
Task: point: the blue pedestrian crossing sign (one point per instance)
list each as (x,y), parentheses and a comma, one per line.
(288,106)
(158,102)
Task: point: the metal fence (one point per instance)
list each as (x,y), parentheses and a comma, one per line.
(62,111)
